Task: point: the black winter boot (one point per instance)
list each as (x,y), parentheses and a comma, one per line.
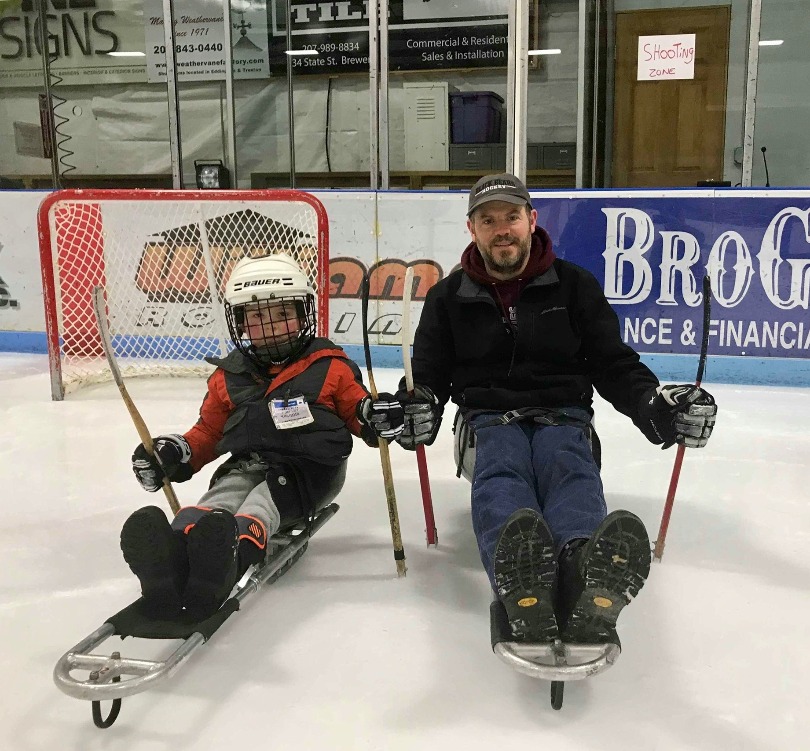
(524,570)
(157,556)
(614,564)
(213,545)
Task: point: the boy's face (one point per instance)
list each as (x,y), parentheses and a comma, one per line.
(503,233)
(275,321)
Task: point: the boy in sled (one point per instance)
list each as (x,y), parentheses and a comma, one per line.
(284,404)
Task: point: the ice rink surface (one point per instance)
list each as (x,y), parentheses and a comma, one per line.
(340,654)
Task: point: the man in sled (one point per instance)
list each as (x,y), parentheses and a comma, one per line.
(519,339)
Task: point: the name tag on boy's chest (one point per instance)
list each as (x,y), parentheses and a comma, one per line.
(290,413)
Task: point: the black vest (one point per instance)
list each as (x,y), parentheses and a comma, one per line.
(250,427)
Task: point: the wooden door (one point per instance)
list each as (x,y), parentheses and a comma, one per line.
(670,133)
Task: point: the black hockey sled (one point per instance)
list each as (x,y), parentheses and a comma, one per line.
(555,661)
(113,677)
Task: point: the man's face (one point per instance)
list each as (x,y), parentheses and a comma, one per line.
(503,233)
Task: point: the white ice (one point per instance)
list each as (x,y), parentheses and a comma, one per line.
(341,654)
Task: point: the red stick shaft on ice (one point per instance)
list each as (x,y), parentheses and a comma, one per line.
(658,551)
(421,459)
(427,498)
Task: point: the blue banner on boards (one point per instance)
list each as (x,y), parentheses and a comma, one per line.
(651,254)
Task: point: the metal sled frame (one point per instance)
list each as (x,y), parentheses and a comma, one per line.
(106,672)
(556,661)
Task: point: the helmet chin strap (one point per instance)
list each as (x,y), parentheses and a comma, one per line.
(277,354)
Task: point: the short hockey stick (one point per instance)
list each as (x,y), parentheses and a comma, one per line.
(658,550)
(421,460)
(385,457)
(100,309)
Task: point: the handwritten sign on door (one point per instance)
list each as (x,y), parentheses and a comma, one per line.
(666,57)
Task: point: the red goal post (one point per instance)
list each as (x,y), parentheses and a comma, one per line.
(163,258)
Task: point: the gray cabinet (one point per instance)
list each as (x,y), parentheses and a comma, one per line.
(492,156)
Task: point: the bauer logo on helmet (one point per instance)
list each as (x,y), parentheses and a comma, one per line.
(284,281)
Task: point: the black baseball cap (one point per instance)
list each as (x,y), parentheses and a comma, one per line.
(504,187)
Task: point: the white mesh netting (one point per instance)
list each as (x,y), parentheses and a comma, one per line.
(163,259)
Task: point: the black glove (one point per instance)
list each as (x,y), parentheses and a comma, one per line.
(380,418)
(423,417)
(172,454)
(678,414)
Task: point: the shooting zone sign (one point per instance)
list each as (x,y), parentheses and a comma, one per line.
(666,57)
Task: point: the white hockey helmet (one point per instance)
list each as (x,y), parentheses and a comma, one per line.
(264,278)
(270,309)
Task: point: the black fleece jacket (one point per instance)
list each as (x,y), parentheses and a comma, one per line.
(565,342)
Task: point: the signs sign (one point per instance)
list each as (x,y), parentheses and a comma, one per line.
(82,35)
(666,57)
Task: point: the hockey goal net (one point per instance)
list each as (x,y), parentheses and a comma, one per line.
(163,258)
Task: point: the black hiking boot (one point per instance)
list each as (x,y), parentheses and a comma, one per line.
(213,545)
(157,556)
(613,565)
(525,570)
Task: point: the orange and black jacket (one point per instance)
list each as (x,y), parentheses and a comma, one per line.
(235,414)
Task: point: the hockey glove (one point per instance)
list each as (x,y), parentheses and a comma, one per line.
(423,417)
(172,454)
(380,418)
(678,414)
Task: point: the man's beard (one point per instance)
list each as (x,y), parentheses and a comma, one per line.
(505,265)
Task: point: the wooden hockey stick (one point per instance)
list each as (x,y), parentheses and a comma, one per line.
(421,460)
(385,458)
(658,550)
(100,309)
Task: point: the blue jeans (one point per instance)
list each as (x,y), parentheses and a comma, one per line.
(549,468)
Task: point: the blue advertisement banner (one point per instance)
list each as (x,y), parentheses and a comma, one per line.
(651,255)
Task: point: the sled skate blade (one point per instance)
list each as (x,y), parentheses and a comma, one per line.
(115,677)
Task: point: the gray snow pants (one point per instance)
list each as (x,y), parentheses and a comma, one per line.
(246,490)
